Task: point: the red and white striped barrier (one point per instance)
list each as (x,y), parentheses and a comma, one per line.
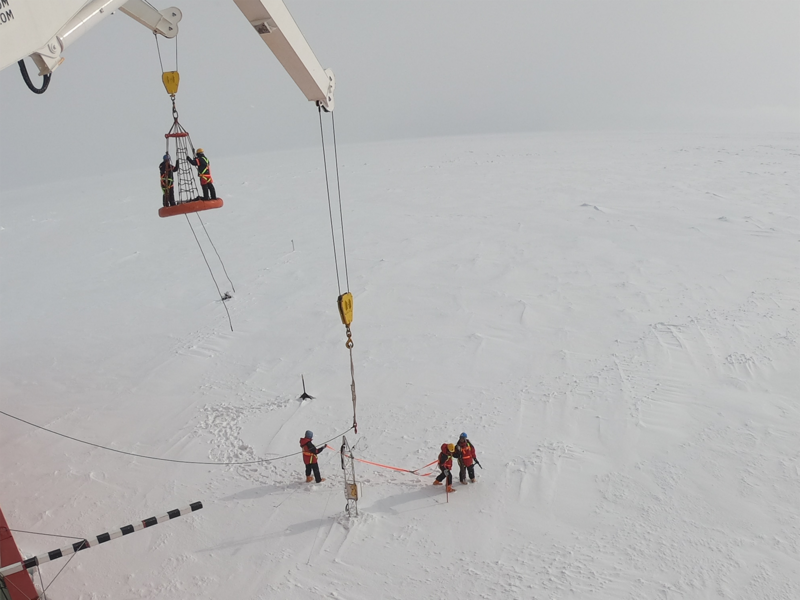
(97,540)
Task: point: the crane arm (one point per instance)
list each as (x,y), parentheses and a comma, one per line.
(164,22)
(273,22)
(43,29)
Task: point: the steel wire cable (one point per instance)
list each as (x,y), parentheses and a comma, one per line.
(330,208)
(61,570)
(215,250)
(46,534)
(172,460)
(339,193)
(221,297)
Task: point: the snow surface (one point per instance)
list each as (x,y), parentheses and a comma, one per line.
(612,318)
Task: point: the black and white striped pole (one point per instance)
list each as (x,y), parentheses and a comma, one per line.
(97,540)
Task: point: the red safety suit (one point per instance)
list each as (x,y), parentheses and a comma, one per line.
(445,466)
(467,451)
(310,451)
(445,458)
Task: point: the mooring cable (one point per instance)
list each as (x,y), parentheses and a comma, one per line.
(172,460)
(72,537)
(57,574)
(221,297)
(215,250)
(41,582)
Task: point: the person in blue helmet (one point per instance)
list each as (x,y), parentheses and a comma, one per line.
(167,180)
(310,452)
(465,452)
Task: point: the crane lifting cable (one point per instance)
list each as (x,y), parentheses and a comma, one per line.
(345,299)
(179,147)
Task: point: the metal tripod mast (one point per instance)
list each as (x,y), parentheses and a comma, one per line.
(350,483)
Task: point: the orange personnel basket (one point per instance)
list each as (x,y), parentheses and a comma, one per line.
(189,207)
(187,198)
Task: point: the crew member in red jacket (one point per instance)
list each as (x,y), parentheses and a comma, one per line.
(445,466)
(310,452)
(465,452)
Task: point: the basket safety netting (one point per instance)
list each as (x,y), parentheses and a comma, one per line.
(182,152)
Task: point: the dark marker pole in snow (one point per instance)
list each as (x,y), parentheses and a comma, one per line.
(305,396)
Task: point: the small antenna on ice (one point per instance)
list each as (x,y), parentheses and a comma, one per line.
(305,396)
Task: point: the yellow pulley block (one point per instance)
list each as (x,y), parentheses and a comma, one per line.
(171,80)
(345,302)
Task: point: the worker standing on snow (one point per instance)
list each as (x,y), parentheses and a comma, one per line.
(445,466)
(465,453)
(310,452)
(203,165)
(167,180)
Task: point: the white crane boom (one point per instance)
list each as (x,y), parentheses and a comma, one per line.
(42,29)
(273,22)
(27,26)
(164,22)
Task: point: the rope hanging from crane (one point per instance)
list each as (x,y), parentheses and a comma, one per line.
(345,300)
(187,200)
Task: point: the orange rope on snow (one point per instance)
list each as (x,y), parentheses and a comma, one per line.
(414,472)
(397,468)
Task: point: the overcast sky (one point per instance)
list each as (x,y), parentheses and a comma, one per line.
(407,69)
